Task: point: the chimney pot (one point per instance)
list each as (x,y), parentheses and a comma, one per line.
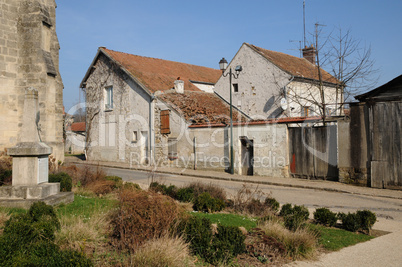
(179,86)
(309,53)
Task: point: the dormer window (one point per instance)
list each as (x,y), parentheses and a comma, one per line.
(109,98)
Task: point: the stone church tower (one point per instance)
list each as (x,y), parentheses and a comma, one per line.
(29,57)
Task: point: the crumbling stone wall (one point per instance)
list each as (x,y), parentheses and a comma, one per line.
(29,52)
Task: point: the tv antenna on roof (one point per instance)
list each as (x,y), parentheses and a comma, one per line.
(304,22)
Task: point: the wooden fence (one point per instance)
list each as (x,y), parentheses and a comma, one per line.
(313,152)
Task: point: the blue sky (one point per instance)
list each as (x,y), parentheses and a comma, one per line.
(202,32)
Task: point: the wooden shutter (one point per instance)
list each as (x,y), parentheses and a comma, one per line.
(165,122)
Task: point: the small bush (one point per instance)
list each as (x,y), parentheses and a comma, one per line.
(366,219)
(325,216)
(66,183)
(141,216)
(170,190)
(228,242)
(118,181)
(131,186)
(27,240)
(272,203)
(197,231)
(185,194)
(206,203)
(286,210)
(294,217)
(350,222)
(101,187)
(215,191)
(221,247)
(361,220)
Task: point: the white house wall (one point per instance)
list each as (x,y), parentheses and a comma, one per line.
(300,94)
(112,130)
(260,85)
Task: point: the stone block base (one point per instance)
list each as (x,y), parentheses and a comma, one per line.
(62,197)
(24,196)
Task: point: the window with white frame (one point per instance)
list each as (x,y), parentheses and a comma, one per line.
(109,97)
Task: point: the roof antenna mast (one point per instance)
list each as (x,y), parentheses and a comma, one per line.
(304,22)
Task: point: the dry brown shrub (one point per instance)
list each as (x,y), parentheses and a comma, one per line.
(141,216)
(247,201)
(214,190)
(162,252)
(101,187)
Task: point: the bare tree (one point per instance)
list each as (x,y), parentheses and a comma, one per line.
(350,64)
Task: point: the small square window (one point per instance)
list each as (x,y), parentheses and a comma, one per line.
(109,98)
(235,87)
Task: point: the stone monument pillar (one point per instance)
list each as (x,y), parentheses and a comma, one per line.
(30,164)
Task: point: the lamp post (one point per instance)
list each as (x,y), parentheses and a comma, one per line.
(223,65)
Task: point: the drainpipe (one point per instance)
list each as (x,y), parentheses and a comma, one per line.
(151,130)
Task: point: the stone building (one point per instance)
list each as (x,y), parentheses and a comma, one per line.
(276,85)
(29,56)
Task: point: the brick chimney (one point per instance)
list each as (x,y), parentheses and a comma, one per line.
(309,53)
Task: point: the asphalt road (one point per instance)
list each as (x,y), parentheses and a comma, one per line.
(385,208)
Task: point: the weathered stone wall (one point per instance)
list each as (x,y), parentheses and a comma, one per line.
(352,150)
(29,52)
(260,84)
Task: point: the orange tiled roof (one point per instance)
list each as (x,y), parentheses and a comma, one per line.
(200,107)
(298,67)
(159,75)
(78,127)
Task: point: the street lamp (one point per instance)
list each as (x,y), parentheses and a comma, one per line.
(223,65)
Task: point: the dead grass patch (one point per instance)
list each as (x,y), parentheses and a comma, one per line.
(299,244)
(163,251)
(84,233)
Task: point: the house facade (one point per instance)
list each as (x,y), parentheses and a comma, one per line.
(29,54)
(151,111)
(275,85)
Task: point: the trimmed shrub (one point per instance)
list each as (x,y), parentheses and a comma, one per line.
(198,232)
(366,219)
(361,220)
(325,216)
(185,194)
(228,242)
(294,217)
(206,203)
(221,247)
(141,216)
(27,240)
(286,210)
(350,222)
(66,183)
(170,190)
(272,203)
